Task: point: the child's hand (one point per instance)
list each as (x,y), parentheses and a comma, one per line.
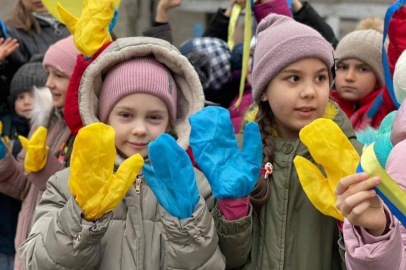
(169,4)
(92,182)
(163,7)
(7,47)
(359,203)
(36,150)
(230,172)
(172,178)
(296,5)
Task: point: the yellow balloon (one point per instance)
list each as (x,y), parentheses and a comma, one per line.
(73,6)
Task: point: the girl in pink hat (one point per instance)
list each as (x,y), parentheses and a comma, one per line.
(59,62)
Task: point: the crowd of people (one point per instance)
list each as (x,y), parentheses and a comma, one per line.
(136,157)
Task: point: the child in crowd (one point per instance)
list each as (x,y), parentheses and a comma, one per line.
(17,124)
(292,77)
(360,89)
(144,90)
(53,148)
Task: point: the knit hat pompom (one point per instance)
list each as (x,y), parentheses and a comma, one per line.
(365,46)
(282,41)
(138,75)
(374,23)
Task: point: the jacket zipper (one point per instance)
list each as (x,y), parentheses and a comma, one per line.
(138,182)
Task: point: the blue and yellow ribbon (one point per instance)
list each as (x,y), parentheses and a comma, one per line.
(390,192)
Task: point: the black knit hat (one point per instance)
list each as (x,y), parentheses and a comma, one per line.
(27,76)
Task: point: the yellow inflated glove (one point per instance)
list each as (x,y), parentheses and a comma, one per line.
(330,148)
(92,182)
(91,30)
(36,150)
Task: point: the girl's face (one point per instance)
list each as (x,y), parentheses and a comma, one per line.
(138,119)
(34,6)
(355,80)
(298,95)
(58,83)
(23,104)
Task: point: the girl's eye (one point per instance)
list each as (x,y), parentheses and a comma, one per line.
(59,76)
(125,115)
(293,79)
(343,67)
(363,69)
(321,78)
(154,117)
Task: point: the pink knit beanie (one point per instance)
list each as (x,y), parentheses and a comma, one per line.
(62,56)
(138,75)
(281,42)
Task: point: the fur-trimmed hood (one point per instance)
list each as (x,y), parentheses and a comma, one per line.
(190,92)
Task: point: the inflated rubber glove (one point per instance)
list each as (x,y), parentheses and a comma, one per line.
(330,148)
(36,150)
(3,150)
(231,173)
(95,187)
(172,178)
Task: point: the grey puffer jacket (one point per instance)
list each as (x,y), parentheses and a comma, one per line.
(138,233)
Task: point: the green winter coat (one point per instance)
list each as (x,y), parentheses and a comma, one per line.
(289,233)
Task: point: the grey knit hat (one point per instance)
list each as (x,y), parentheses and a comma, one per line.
(365,46)
(27,76)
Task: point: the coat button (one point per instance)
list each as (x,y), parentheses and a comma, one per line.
(288,149)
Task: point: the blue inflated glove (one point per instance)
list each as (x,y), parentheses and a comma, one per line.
(230,172)
(172,178)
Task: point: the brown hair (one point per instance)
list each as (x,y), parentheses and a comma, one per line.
(266,123)
(21,18)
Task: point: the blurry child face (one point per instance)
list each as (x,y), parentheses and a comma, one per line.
(138,119)
(298,95)
(23,104)
(34,6)
(58,83)
(355,80)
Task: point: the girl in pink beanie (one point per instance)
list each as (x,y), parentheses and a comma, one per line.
(291,79)
(104,212)
(53,147)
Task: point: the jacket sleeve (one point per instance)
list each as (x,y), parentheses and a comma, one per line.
(191,243)
(40,178)
(397,37)
(162,31)
(60,238)
(13,181)
(365,251)
(218,26)
(261,10)
(308,16)
(388,251)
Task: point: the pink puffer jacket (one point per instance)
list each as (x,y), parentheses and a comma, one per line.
(387,251)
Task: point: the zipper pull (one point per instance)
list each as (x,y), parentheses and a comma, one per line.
(138,185)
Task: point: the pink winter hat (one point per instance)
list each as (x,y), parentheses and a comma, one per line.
(62,56)
(138,75)
(281,42)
